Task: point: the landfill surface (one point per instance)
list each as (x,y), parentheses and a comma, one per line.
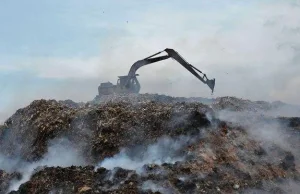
(150,143)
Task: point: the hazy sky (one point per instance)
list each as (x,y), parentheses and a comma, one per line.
(65,49)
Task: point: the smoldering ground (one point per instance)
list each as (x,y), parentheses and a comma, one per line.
(167,164)
(165,150)
(275,137)
(60,153)
(285,186)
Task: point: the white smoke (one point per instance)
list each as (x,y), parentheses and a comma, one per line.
(262,127)
(60,153)
(284,111)
(270,133)
(288,187)
(56,191)
(9,164)
(165,150)
(150,185)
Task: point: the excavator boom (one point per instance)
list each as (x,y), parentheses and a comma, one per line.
(130,84)
(171,54)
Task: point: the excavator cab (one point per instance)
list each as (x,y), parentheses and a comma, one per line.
(128,84)
(122,80)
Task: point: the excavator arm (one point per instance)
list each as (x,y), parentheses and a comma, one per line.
(145,61)
(131,77)
(172,53)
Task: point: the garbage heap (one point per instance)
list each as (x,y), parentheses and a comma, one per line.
(216,156)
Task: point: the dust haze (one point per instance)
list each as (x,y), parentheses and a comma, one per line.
(252,51)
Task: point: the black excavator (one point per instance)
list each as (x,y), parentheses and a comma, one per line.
(129,83)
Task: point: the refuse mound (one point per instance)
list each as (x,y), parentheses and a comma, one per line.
(148,144)
(101,129)
(238,104)
(72,104)
(137,98)
(228,103)
(26,132)
(224,160)
(275,109)
(81,180)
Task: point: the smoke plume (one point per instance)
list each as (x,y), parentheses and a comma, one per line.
(60,153)
(165,150)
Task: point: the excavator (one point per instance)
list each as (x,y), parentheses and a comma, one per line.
(129,83)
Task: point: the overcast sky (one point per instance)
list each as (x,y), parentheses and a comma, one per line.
(65,49)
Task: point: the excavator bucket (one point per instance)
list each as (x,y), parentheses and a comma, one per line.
(211,84)
(172,53)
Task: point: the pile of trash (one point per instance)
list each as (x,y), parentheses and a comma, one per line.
(148,144)
(25,134)
(136,98)
(102,128)
(221,103)
(224,160)
(274,109)
(237,104)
